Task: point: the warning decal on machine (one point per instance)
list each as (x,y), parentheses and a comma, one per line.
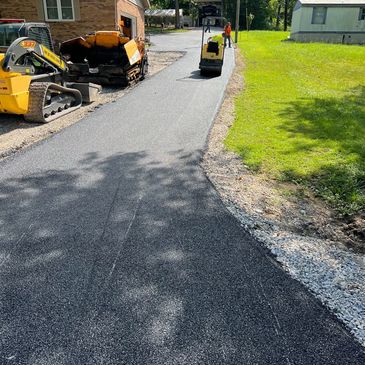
(132,52)
(29,44)
(50,56)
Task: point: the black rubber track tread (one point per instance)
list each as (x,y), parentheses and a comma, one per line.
(37,95)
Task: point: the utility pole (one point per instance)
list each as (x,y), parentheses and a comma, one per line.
(237,21)
(177,14)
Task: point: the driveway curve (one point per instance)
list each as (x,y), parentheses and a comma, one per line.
(116,249)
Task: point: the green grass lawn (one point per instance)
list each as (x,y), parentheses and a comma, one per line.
(301,116)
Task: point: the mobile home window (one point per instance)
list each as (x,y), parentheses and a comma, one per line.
(59,10)
(362,14)
(319,15)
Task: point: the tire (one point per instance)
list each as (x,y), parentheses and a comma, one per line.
(144,68)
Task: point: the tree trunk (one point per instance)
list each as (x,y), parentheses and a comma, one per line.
(278,17)
(177,14)
(285,15)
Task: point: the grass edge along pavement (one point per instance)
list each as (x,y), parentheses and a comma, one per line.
(301,116)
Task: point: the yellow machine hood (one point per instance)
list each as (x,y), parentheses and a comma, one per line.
(13,91)
(132,51)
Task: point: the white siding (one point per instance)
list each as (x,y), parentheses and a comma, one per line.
(296,21)
(339,19)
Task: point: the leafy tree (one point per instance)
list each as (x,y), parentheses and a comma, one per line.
(188,6)
(268,14)
(162,4)
(278,13)
(259,8)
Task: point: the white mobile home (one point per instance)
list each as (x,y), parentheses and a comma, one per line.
(332,21)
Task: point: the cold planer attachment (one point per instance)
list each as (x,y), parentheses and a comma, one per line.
(32,83)
(105,57)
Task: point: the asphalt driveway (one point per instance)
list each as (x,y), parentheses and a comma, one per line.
(116,249)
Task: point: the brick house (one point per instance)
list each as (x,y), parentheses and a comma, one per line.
(72,18)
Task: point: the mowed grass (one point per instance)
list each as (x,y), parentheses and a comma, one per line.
(301,116)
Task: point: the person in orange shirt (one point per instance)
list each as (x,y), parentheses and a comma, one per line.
(227,34)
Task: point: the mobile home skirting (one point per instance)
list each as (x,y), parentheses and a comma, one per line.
(329,37)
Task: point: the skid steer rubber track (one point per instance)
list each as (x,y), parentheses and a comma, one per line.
(49,101)
(144,68)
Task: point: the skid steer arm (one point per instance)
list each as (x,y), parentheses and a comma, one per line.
(15,57)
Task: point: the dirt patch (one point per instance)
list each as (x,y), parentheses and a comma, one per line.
(287,206)
(16,134)
(159,60)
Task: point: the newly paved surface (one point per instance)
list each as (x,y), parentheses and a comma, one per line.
(115,249)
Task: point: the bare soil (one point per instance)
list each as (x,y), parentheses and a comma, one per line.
(16,134)
(289,207)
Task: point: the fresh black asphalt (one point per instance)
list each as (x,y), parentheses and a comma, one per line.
(116,249)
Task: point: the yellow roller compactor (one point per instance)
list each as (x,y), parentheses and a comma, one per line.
(212,54)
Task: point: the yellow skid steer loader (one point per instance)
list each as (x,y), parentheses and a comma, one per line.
(31,83)
(42,86)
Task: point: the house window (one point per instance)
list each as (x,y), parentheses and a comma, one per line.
(59,10)
(319,15)
(362,14)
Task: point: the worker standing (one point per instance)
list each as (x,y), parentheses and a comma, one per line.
(208,26)
(227,34)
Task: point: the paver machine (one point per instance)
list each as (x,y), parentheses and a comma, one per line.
(32,76)
(106,58)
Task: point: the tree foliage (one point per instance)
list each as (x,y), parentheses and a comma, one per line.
(188,6)
(277,14)
(259,8)
(268,14)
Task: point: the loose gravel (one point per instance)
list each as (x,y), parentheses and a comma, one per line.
(331,270)
(336,276)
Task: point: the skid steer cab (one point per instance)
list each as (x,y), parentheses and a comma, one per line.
(12,29)
(212,53)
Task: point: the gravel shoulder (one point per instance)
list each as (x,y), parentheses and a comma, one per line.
(303,234)
(16,134)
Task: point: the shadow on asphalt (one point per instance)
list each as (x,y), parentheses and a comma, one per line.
(10,122)
(127,261)
(196,76)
